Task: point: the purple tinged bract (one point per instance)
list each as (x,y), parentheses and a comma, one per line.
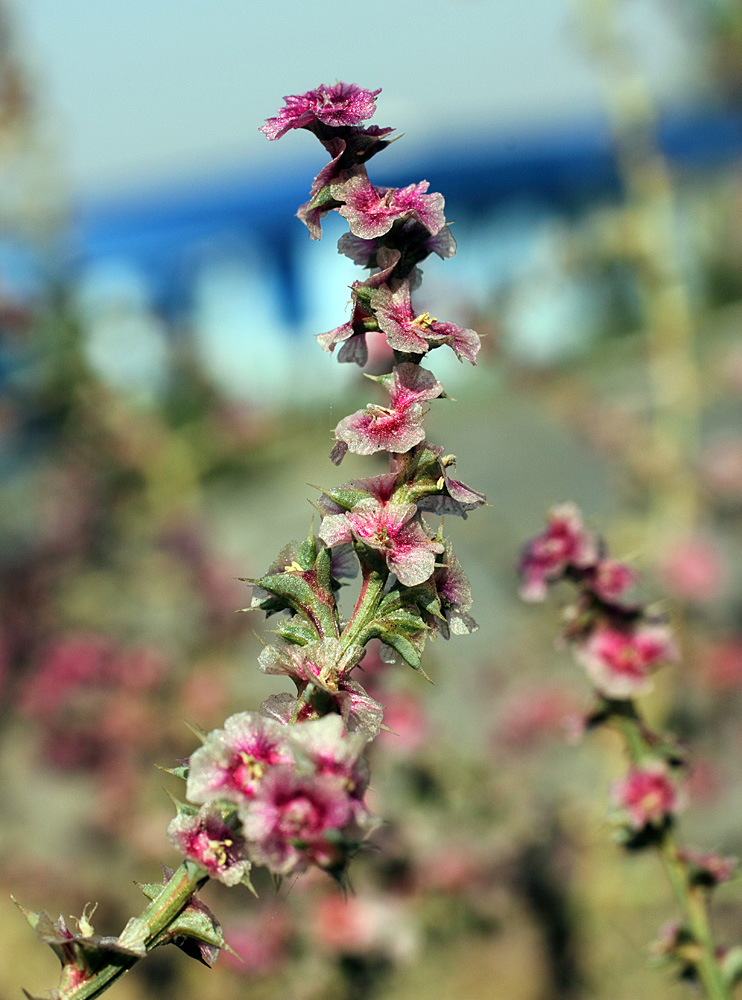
(372,211)
(298,820)
(338,105)
(207,839)
(417,334)
(393,529)
(396,428)
(325,665)
(232,762)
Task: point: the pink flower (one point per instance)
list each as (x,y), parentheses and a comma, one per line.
(349,154)
(708,868)
(352,335)
(425,471)
(338,105)
(331,750)
(413,334)
(325,666)
(296,820)
(611,579)
(393,529)
(646,795)
(207,839)
(454,593)
(564,544)
(232,762)
(372,211)
(620,660)
(396,428)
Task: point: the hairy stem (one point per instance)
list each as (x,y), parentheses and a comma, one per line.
(372,590)
(147,929)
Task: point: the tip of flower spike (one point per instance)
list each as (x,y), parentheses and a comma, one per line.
(338,105)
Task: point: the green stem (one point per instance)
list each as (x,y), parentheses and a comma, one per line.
(368,601)
(693,899)
(149,928)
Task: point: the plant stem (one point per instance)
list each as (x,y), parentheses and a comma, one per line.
(692,898)
(371,593)
(152,924)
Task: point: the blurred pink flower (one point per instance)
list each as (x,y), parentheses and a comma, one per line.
(405,716)
(705,782)
(620,661)
(708,867)
(261,941)
(721,664)
(646,795)
(564,543)
(531,713)
(611,579)
(693,570)
(64,666)
(357,925)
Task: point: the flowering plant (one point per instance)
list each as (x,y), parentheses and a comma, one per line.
(284,788)
(621,643)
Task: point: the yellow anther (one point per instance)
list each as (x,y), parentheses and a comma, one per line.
(255,768)
(424,321)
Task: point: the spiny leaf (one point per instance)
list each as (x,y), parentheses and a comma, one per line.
(297,630)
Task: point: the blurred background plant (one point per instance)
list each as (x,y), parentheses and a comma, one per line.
(159,377)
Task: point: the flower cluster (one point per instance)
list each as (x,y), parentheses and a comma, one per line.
(276,795)
(618,642)
(284,788)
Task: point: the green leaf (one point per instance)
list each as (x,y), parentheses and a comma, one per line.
(302,592)
(346,496)
(404,647)
(181,771)
(399,624)
(307,551)
(322,198)
(297,630)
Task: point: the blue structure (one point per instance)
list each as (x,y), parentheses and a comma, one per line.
(164,235)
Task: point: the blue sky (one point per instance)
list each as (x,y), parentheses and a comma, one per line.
(147,90)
